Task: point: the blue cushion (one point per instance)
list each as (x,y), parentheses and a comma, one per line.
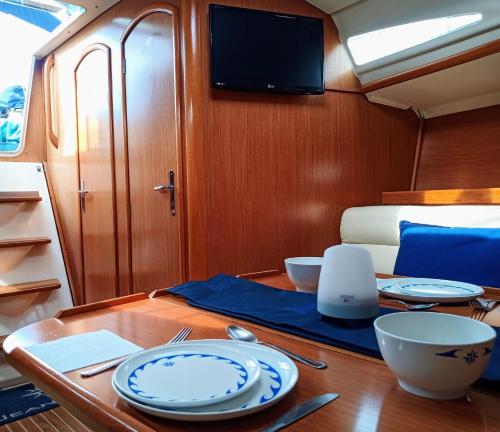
(461,254)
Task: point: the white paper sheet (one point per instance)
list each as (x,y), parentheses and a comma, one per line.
(82,350)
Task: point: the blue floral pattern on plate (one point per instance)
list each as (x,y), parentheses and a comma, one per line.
(169,362)
(278,376)
(271,389)
(430,289)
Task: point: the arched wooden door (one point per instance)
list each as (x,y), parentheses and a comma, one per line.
(96,174)
(151,92)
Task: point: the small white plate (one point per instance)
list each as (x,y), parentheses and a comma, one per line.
(278,377)
(186,374)
(428,290)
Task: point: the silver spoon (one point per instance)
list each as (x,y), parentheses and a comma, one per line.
(415,307)
(241,334)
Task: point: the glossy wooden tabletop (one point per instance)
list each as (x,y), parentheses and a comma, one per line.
(370,397)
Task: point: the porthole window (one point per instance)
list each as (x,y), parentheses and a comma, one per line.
(25,25)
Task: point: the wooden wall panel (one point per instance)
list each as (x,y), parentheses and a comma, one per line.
(280,170)
(461,151)
(471,54)
(198,102)
(266,176)
(51,112)
(63,165)
(484,196)
(152,87)
(94,112)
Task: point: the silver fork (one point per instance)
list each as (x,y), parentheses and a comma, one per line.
(179,337)
(480,307)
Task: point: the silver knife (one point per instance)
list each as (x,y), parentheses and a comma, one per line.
(300,411)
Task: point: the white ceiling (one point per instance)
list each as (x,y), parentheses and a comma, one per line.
(369,15)
(331,6)
(468,86)
(94,8)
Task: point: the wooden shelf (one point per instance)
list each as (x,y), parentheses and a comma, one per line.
(443,197)
(29,288)
(19,196)
(31,241)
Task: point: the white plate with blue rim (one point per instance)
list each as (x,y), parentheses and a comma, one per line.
(278,377)
(187,374)
(428,290)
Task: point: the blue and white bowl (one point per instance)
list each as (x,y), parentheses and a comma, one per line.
(304,272)
(434,355)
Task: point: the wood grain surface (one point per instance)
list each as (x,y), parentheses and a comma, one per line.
(109,30)
(19,196)
(272,174)
(435,66)
(266,176)
(461,151)
(94,115)
(50,99)
(443,197)
(153,140)
(370,397)
(29,287)
(27,241)
(281,171)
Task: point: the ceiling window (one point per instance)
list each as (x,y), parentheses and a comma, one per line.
(377,44)
(25,26)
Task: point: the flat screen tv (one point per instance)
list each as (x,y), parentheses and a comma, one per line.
(265,51)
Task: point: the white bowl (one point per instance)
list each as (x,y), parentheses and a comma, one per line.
(304,272)
(434,355)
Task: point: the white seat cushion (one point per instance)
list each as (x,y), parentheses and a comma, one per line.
(377,227)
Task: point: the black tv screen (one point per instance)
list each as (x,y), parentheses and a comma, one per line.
(265,51)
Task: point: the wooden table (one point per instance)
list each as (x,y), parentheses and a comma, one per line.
(370,397)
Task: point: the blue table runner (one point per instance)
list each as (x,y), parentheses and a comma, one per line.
(291,312)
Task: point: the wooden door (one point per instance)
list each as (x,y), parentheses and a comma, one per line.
(96,174)
(152,131)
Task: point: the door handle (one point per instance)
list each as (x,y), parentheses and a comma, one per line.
(82,192)
(161,188)
(171,188)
